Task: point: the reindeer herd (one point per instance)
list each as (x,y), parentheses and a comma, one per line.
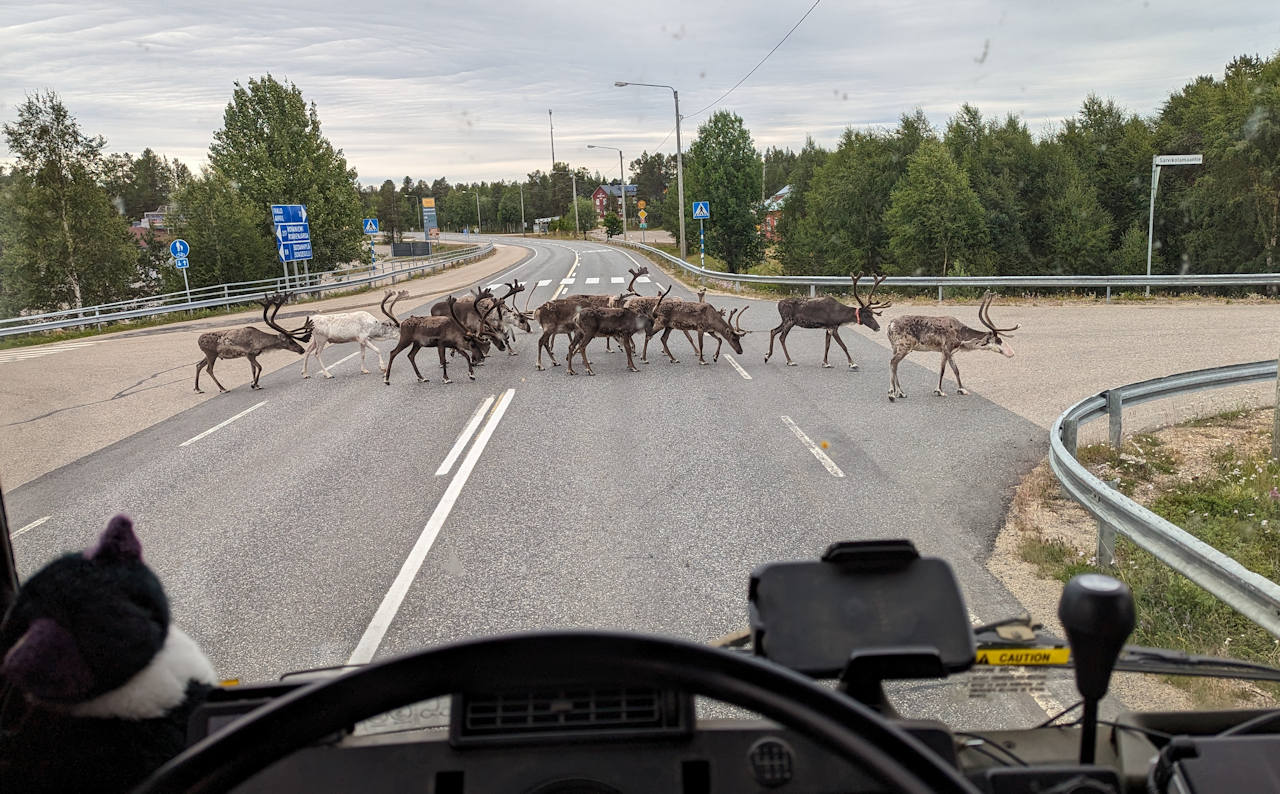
(471,326)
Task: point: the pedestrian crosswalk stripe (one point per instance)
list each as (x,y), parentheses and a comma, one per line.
(593,281)
(566,281)
(617,280)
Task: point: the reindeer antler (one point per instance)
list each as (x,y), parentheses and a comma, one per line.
(869,304)
(274,302)
(389,309)
(984,314)
(452,301)
(740,329)
(635,274)
(660,297)
(512,288)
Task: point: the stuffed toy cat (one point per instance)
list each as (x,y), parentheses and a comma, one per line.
(98,685)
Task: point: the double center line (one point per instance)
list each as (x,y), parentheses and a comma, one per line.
(377,629)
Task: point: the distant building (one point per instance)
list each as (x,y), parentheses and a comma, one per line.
(772,210)
(542,225)
(601,198)
(154,222)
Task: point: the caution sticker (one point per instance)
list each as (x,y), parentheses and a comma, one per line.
(1024,656)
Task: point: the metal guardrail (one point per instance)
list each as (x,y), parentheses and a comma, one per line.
(1251,594)
(229,294)
(1100,282)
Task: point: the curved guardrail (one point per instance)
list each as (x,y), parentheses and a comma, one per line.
(229,294)
(1251,594)
(1099,282)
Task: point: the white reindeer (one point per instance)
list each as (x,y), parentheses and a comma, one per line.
(358,326)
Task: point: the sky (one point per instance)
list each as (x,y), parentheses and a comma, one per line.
(461,90)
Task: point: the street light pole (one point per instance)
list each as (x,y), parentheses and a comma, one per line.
(1156,162)
(477,212)
(622,178)
(679,157)
(522,209)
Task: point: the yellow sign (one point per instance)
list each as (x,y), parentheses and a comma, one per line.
(643,214)
(1024,656)
(429,203)
(640,203)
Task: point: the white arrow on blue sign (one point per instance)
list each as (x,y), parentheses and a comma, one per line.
(701,210)
(181,263)
(288,213)
(179,248)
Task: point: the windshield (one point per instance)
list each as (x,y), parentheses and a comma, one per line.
(395,326)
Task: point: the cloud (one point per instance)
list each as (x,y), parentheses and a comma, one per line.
(446,89)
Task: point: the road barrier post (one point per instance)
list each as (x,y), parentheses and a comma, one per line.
(1069,436)
(1106,551)
(1115,418)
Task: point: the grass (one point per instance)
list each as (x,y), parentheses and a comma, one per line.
(1235,509)
(66,334)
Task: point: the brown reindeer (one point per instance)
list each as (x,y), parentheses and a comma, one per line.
(827,313)
(700,317)
(417,332)
(611,321)
(559,316)
(249,342)
(477,313)
(945,335)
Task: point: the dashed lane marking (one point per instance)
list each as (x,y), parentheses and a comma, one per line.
(827,463)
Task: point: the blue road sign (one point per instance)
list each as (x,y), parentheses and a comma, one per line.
(288,213)
(370,225)
(292,252)
(179,248)
(644,225)
(701,210)
(181,263)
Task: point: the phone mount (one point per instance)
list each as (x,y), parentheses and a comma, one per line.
(866,612)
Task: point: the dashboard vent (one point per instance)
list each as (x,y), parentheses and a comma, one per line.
(560,714)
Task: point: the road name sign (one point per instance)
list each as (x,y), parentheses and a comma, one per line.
(179,248)
(293,232)
(1178,159)
(701,210)
(181,263)
(370,225)
(288,213)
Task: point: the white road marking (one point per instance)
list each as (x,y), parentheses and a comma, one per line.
(643,280)
(737,366)
(223,424)
(391,602)
(566,281)
(544,282)
(828,463)
(24,353)
(617,280)
(593,281)
(569,278)
(467,432)
(29,527)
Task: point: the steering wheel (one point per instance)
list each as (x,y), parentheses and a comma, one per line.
(541,659)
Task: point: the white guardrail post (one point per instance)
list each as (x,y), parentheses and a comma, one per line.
(1249,593)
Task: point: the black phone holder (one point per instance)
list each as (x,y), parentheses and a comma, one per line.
(867,612)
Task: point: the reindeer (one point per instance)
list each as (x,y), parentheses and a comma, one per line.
(249,342)
(827,313)
(700,317)
(438,332)
(609,321)
(945,335)
(474,311)
(358,326)
(559,315)
(511,318)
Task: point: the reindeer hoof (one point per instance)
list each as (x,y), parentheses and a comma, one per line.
(940,392)
(364,371)
(471,377)
(422,380)
(890,398)
(791,364)
(703,363)
(539,367)
(199,391)
(328,376)
(305,376)
(825,365)
(962,392)
(853,366)
(632,369)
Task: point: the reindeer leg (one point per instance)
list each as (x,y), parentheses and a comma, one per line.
(666,332)
(256,369)
(444,367)
(583,340)
(209,369)
(685,331)
(941,371)
(895,389)
(719,344)
(375,349)
(323,368)
(782,339)
(413,353)
(772,333)
(386,373)
(701,360)
(826,350)
(306,354)
(569,356)
(644,355)
(960,389)
(835,334)
(471,370)
(199,366)
(630,347)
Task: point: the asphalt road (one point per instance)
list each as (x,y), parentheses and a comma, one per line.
(314,526)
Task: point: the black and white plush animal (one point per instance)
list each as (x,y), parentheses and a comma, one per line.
(99,685)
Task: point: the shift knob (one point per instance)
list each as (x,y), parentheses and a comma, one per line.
(1097,614)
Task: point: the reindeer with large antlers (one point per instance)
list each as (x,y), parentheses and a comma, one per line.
(477,315)
(511,318)
(945,335)
(361,326)
(417,332)
(560,315)
(827,313)
(248,342)
(700,317)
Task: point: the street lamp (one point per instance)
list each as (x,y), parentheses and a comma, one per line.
(679,156)
(477,192)
(623,179)
(1157,161)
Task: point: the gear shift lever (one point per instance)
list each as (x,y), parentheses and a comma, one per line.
(1097,614)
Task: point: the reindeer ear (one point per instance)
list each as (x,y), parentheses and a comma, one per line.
(117,542)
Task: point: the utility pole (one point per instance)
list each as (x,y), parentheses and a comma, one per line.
(553,140)
(522,209)
(573,180)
